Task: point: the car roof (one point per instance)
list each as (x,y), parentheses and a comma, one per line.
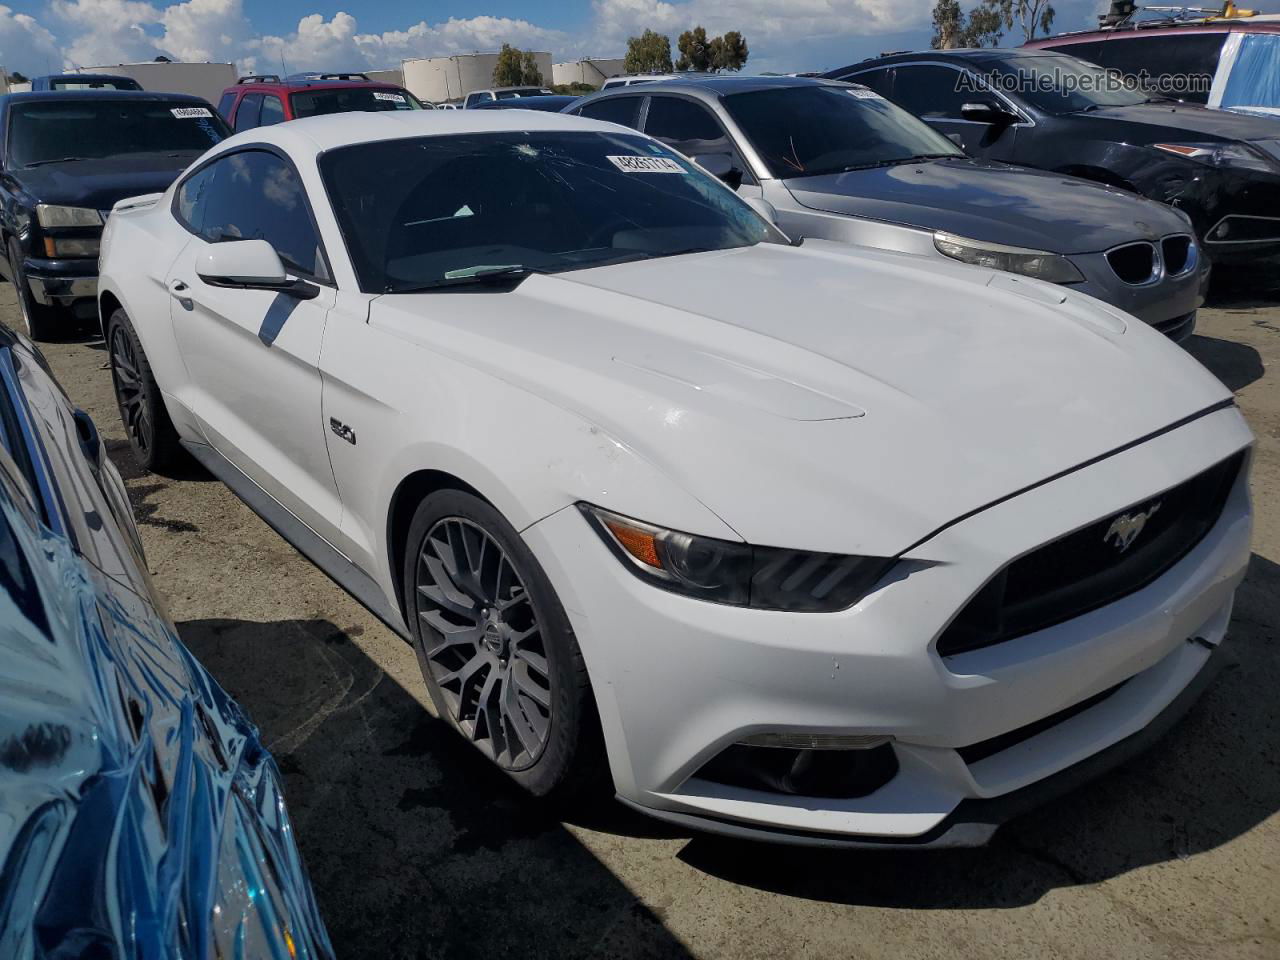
(1159,28)
(293,86)
(314,135)
(83,77)
(67,96)
(977,55)
(711,87)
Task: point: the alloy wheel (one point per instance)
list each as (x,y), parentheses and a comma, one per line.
(130,391)
(483,642)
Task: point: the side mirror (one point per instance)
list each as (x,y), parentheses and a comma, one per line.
(986,111)
(721,165)
(764,208)
(250,265)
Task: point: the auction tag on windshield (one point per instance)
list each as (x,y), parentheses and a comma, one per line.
(190,113)
(863,94)
(384,95)
(646,165)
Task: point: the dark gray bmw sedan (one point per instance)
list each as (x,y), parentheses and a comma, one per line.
(838,161)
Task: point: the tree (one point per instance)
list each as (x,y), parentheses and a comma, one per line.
(729,52)
(1030,15)
(516,68)
(697,53)
(981,28)
(648,53)
(19,77)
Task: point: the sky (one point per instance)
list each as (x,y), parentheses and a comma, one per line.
(43,36)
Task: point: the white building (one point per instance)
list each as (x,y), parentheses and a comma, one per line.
(592,70)
(206,80)
(395,76)
(450,78)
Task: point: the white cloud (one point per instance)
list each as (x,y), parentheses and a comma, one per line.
(782,34)
(25,45)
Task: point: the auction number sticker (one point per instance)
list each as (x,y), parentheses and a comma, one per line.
(384,95)
(863,94)
(646,165)
(191,113)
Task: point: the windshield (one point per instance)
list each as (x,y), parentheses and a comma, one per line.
(523,92)
(121,84)
(807,131)
(314,103)
(45,131)
(431,210)
(1060,84)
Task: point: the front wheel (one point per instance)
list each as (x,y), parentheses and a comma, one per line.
(496,648)
(151,433)
(41,319)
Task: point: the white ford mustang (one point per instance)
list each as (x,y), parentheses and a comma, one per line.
(807,542)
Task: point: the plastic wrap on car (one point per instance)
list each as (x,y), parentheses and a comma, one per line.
(140,816)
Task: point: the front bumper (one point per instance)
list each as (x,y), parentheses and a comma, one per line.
(678,680)
(1165,303)
(61,282)
(1236,214)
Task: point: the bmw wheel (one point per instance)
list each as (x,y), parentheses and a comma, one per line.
(496,648)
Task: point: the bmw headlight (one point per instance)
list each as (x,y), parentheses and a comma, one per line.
(1236,156)
(739,574)
(1041,264)
(51,215)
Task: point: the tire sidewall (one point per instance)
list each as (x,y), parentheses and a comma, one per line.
(37,316)
(119,320)
(570,699)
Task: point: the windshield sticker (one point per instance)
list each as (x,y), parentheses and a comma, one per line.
(384,95)
(863,94)
(190,113)
(646,165)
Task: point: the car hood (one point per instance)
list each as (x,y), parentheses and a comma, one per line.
(994,202)
(1170,120)
(100,183)
(824,397)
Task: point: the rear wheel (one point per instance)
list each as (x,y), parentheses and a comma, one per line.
(41,319)
(496,648)
(142,411)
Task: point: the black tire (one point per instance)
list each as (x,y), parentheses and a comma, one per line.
(142,411)
(571,760)
(41,319)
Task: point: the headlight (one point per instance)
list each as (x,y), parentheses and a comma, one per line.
(1040,264)
(51,215)
(1237,156)
(764,578)
(71,246)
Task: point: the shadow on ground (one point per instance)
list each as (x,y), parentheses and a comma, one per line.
(1213,777)
(415,846)
(1236,364)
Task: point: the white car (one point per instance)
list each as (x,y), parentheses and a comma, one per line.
(809,542)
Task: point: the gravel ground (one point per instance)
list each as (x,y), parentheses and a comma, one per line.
(416,849)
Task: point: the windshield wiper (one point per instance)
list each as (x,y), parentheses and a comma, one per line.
(1160,100)
(1089,109)
(511,277)
(41,163)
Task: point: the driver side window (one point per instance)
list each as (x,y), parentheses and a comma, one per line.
(931,92)
(249,195)
(692,129)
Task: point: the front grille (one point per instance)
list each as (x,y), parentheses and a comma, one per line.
(1088,569)
(1134,262)
(1175,250)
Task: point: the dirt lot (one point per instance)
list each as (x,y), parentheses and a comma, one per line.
(417,850)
